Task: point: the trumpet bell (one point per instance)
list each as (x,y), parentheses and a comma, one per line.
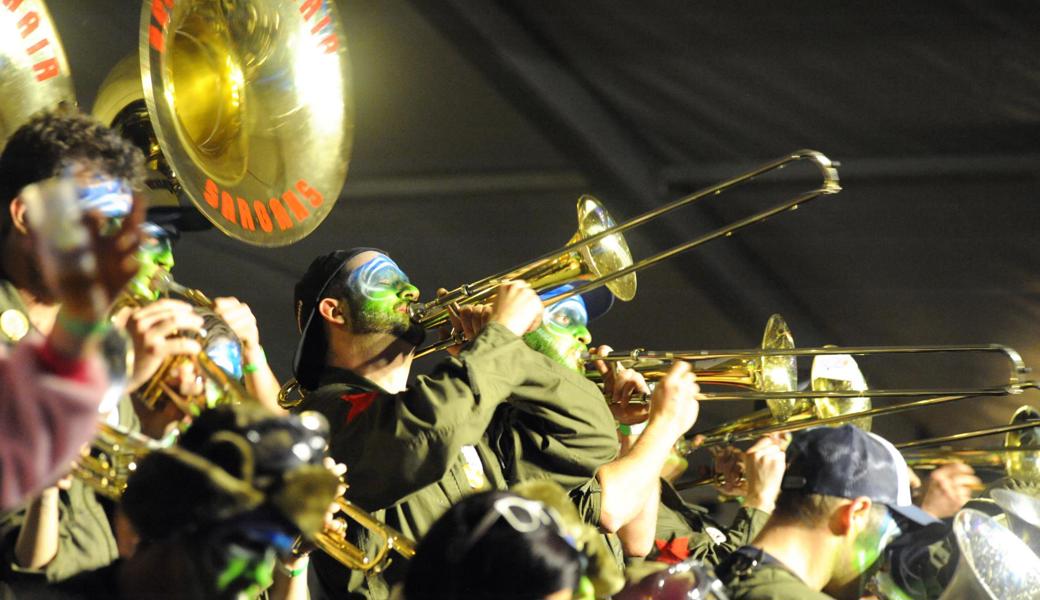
(1023,515)
(993,564)
(34,73)
(1024,466)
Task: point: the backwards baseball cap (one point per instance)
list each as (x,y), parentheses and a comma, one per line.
(597,301)
(312,287)
(848,462)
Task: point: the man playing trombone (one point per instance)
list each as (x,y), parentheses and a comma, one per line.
(495,413)
(645,509)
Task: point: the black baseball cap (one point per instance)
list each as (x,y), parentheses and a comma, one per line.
(848,462)
(310,289)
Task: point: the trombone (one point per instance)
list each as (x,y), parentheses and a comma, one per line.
(769,374)
(599,255)
(1019,456)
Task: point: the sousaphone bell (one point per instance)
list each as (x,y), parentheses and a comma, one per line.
(243,107)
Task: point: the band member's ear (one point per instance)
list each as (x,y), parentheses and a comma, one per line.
(18,217)
(331,311)
(851,516)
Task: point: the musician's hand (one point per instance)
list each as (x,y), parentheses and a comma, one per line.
(619,385)
(469,319)
(240,319)
(517,307)
(160,330)
(764,465)
(729,467)
(949,488)
(674,401)
(915,482)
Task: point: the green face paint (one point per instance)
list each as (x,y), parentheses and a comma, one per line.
(154,255)
(246,573)
(869,545)
(563,335)
(379,294)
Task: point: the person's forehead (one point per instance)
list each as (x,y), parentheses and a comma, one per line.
(363,258)
(87,173)
(570,304)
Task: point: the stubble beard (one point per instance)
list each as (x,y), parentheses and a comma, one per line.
(398,325)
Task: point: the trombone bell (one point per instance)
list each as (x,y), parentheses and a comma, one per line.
(608,255)
(839,373)
(1024,466)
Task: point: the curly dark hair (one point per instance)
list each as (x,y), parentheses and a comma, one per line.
(38,149)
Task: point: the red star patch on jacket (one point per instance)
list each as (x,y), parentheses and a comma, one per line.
(359,403)
(672,551)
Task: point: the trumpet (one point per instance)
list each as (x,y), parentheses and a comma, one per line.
(388,539)
(839,389)
(227,387)
(114,455)
(599,255)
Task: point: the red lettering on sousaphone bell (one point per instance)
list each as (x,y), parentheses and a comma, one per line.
(265,214)
(309,9)
(44,69)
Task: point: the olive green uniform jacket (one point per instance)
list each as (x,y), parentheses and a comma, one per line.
(410,456)
(86,540)
(771,582)
(687,531)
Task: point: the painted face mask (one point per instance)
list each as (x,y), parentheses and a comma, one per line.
(563,335)
(154,255)
(112,198)
(869,546)
(379,294)
(241,558)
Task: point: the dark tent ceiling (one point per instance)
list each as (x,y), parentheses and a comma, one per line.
(479,122)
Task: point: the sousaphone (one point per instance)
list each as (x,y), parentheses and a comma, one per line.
(242,106)
(34,74)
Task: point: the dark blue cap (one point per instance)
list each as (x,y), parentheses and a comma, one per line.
(848,462)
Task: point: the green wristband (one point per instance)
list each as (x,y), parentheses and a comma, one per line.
(250,368)
(82,329)
(624,429)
